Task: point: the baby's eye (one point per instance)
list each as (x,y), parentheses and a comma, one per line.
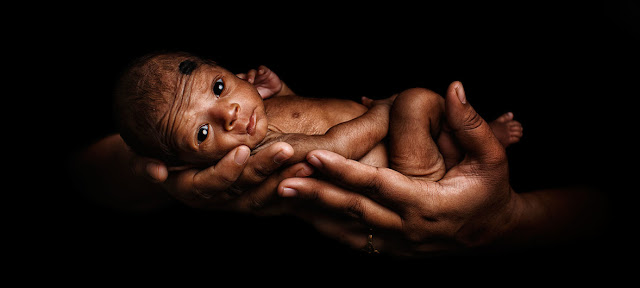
(218,86)
(203,131)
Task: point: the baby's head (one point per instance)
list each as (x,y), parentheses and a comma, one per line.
(185,110)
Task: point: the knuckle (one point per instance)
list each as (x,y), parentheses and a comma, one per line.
(252,176)
(472,121)
(233,191)
(260,173)
(355,208)
(256,204)
(415,234)
(373,184)
(202,194)
(311,194)
(226,180)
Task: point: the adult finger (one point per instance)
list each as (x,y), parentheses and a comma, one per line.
(193,184)
(470,130)
(149,168)
(265,162)
(341,200)
(378,183)
(260,196)
(338,227)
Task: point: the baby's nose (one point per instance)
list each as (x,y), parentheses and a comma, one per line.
(230,116)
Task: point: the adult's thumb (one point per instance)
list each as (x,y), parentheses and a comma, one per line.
(150,169)
(472,133)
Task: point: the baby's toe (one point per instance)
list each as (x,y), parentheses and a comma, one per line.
(505,117)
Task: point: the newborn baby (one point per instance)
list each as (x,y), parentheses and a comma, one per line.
(190,112)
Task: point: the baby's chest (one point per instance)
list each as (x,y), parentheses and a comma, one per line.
(304,119)
(299,122)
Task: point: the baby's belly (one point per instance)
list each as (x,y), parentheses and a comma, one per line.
(376,157)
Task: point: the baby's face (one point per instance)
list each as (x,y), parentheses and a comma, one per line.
(213,112)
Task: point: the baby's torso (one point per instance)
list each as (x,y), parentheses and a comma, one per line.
(314,116)
(310,116)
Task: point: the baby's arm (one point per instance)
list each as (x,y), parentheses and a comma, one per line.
(352,139)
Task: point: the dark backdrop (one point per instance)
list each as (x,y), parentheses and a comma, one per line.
(566,71)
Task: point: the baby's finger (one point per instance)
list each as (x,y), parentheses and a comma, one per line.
(242,76)
(251,75)
(263,71)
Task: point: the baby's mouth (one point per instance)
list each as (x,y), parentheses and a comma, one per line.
(251,127)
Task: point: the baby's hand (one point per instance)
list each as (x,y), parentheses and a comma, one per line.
(366,101)
(265,80)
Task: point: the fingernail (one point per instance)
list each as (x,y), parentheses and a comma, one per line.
(280,157)
(314,161)
(152,170)
(305,171)
(460,92)
(241,155)
(289,192)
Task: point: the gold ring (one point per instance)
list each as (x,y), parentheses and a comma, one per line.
(369,247)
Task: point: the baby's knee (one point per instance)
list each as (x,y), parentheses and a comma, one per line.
(420,100)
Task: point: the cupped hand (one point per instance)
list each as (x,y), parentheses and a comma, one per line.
(238,182)
(471,205)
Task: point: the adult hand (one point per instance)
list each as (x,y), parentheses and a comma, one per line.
(237,182)
(472,204)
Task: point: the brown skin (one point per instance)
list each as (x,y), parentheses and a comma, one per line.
(304,123)
(145,183)
(218,186)
(464,208)
(114,176)
(225,116)
(232,113)
(472,205)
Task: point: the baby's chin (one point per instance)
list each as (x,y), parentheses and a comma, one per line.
(259,134)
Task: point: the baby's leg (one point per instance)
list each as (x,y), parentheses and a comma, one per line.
(415,121)
(507,130)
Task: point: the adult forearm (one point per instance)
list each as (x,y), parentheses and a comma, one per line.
(556,215)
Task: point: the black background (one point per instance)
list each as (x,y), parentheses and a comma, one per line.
(566,71)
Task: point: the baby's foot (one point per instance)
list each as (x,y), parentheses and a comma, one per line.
(507,130)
